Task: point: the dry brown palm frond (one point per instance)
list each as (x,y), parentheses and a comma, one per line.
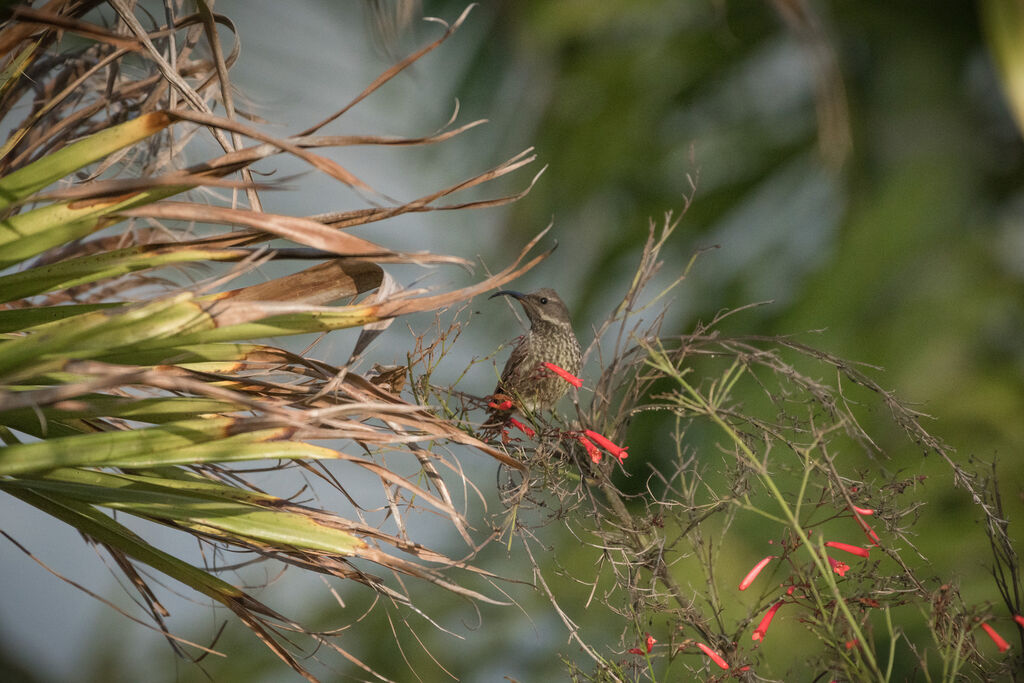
(142,389)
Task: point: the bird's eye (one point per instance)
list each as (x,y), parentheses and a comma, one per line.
(543,299)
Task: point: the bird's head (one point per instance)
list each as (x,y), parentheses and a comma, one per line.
(542,306)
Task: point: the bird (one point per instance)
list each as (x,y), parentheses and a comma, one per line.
(525,381)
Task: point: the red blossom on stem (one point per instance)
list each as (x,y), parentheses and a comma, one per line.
(752,574)
(564,374)
(996,638)
(592,450)
(500,405)
(1019,619)
(521,427)
(715,657)
(649,642)
(867,512)
(839,567)
(766,620)
(604,443)
(854,549)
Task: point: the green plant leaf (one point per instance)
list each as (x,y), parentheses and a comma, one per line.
(54,166)
(212,508)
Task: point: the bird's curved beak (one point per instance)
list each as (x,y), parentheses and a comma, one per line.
(507,292)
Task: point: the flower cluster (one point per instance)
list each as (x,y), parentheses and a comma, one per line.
(592,441)
(841,568)
(838,567)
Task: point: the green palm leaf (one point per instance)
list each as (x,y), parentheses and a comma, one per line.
(123,391)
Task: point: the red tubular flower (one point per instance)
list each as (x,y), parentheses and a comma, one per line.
(855,549)
(649,641)
(592,451)
(1019,619)
(521,427)
(766,620)
(715,657)
(502,405)
(564,374)
(604,443)
(839,567)
(867,512)
(752,574)
(996,638)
